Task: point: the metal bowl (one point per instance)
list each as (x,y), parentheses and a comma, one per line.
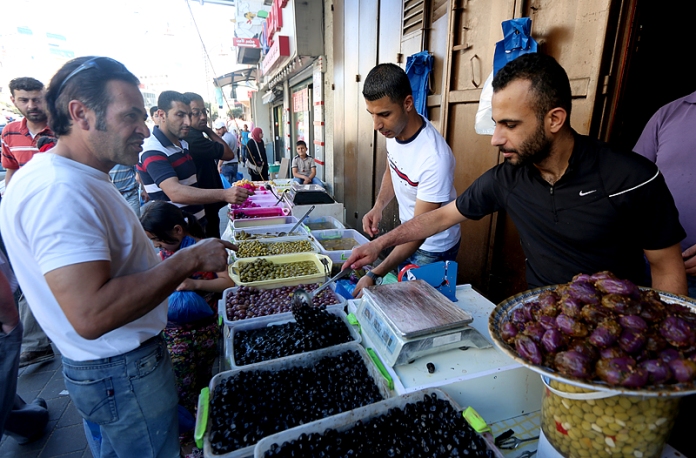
(503,310)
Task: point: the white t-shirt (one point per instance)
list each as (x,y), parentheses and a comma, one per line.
(59,212)
(231,140)
(423,168)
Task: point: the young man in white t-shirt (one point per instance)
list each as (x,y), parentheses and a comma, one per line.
(89,271)
(419,172)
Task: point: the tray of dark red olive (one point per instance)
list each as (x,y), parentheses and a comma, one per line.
(603,333)
(419,424)
(303,330)
(249,404)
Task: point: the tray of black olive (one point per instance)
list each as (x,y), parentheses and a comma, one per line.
(275,337)
(602,333)
(418,424)
(249,404)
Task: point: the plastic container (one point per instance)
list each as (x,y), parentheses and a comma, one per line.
(222,306)
(347,420)
(301,232)
(314,247)
(271,221)
(281,318)
(301,360)
(258,212)
(284,259)
(601,423)
(321,223)
(326,236)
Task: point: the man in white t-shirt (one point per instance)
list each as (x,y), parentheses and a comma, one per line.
(89,271)
(228,169)
(419,173)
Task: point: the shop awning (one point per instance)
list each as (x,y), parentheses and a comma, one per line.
(237,76)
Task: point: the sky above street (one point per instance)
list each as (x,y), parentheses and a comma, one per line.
(151,37)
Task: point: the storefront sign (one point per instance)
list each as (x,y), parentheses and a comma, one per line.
(246,42)
(280,48)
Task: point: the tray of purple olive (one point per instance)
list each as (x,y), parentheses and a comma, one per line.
(602,333)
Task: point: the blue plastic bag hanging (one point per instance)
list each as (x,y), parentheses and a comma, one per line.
(418,68)
(517,40)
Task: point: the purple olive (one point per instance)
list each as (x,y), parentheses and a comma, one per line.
(548,322)
(615,286)
(676,331)
(658,371)
(527,349)
(669,354)
(571,326)
(552,340)
(638,378)
(583,347)
(631,341)
(583,292)
(684,371)
(655,343)
(548,303)
(573,364)
(612,352)
(570,307)
(520,315)
(634,322)
(604,336)
(594,313)
(582,277)
(508,332)
(617,302)
(605,274)
(615,370)
(535,331)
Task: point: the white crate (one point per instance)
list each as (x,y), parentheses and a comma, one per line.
(338,255)
(347,420)
(329,221)
(255,222)
(302,360)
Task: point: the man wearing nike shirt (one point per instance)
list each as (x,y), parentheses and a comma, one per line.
(578,205)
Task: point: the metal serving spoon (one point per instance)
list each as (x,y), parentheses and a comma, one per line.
(301,297)
(283,234)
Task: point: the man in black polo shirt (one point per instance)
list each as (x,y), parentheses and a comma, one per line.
(206,150)
(578,205)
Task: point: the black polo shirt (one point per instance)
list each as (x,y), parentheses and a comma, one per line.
(601,214)
(206,153)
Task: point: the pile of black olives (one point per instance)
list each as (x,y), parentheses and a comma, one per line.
(250,405)
(431,427)
(263,269)
(250,302)
(313,329)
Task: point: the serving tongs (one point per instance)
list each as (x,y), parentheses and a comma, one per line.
(283,234)
(301,297)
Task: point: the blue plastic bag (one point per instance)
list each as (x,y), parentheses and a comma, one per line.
(517,40)
(225,184)
(418,68)
(187,306)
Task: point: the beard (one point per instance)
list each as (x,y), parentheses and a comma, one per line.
(35,116)
(533,150)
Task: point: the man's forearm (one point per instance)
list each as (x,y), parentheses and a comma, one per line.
(189,195)
(398,255)
(228,155)
(667,269)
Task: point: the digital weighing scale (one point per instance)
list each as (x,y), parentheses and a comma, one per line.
(408,320)
(306,194)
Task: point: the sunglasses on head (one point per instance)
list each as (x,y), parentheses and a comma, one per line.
(100,63)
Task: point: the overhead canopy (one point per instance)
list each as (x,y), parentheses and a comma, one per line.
(237,76)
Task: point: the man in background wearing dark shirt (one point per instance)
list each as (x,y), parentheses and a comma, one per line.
(206,147)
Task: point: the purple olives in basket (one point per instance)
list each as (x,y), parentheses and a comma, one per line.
(658,371)
(615,370)
(605,334)
(508,332)
(631,341)
(633,322)
(676,331)
(573,364)
(552,340)
(583,292)
(684,371)
(571,326)
(527,349)
(535,331)
(615,286)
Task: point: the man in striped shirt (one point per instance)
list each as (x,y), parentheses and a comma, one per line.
(166,168)
(19,138)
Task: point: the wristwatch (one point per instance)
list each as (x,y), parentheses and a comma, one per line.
(375,278)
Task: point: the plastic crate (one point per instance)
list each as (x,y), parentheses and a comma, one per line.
(315,248)
(301,360)
(222,305)
(301,231)
(281,318)
(259,212)
(320,223)
(347,420)
(233,270)
(338,255)
(271,221)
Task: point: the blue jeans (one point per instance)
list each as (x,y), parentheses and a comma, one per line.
(691,283)
(131,397)
(9,366)
(315,180)
(229,171)
(422,257)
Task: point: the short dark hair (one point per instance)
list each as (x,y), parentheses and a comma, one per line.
(160,217)
(301,143)
(166,98)
(193,96)
(88,85)
(548,81)
(153,110)
(25,83)
(387,80)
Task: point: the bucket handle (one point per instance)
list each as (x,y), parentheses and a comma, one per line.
(577,396)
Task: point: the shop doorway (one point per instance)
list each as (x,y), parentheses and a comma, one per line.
(278,133)
(302,116)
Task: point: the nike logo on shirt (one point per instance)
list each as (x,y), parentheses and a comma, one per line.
(586,193)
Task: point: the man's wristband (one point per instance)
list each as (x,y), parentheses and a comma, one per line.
(374,277)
